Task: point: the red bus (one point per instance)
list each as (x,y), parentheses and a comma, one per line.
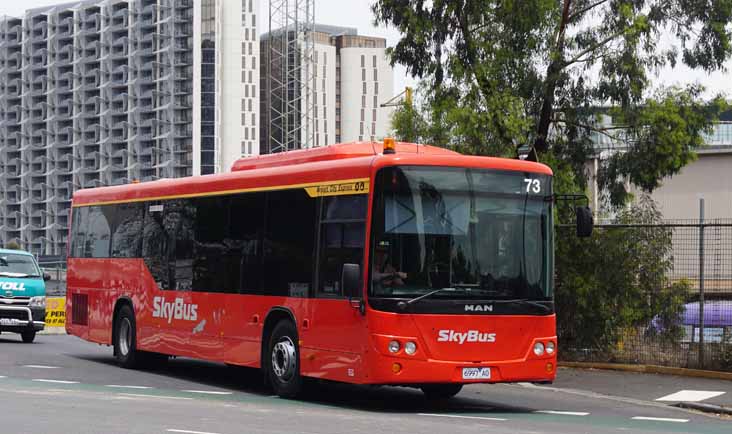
(406,265)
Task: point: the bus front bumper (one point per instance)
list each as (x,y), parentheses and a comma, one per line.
(402,371)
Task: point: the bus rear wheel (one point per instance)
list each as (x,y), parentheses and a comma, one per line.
(28,336)
(283,361)
(440,392)
(125,345)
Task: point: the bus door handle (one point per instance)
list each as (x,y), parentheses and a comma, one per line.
(305,324)
(255,319)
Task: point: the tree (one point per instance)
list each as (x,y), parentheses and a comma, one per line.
(618,280)
(499,75)
(12,246)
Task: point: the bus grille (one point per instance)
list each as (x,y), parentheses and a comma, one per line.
(80,309)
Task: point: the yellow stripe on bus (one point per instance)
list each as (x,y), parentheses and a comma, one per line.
(313,189)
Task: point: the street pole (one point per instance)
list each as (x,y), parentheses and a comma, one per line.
(701,283)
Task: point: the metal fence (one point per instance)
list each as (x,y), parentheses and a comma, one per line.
(697,264)
(56,286)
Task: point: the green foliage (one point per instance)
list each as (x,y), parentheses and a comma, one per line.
(13,246)
(497,75)
(617,280)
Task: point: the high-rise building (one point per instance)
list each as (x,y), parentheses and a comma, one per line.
(351,78)
(105,92)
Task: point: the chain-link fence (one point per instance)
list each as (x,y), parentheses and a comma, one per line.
(674,300)
(56,286)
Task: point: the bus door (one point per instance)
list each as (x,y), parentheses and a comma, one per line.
(337,330)
(168,254)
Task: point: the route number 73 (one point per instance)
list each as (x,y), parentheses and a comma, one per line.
(532,185)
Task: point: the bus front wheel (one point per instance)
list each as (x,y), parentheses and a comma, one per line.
(283,361)
(125,346)
(438,392)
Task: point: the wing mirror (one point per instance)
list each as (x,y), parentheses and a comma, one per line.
(352,285)
(585,222)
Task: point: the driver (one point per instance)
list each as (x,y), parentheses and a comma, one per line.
(384,272)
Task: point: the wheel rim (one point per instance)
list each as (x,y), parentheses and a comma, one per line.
(125,336)
(284,359)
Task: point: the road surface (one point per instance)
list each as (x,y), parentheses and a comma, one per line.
(61,384)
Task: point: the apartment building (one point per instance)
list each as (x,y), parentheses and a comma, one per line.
(105,92)
(350,78)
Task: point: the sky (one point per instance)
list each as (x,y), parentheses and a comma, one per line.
(357,13)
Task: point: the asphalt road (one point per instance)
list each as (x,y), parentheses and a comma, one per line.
(62,384)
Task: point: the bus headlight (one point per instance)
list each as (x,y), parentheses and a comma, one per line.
(37,302)
(538,348)
(394,346)
(410,348)
(550,347)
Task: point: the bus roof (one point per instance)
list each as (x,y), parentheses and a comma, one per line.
(294,169)
(333,152)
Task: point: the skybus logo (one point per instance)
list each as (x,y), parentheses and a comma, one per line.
(461,338)
(174,310)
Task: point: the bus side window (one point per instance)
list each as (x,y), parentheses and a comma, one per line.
(180,219)
(342,233)
(80,227)
(98,234)
(247,213)
(155,244)
(216,263)
(127,223)
(289,243)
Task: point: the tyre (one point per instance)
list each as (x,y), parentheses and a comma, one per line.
(125,342)
(439,392)
(28,336)
(283,361)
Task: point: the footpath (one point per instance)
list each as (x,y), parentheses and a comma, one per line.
(703,394)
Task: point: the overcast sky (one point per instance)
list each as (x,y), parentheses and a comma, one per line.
(357,14)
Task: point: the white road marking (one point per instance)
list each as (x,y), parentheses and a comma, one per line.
(660,419)
(690,395)
(498,419)
(141,395)
(43,380)
(209,392)
(563,413)
(41,366)
(2,376)
(127,387)
(185,431)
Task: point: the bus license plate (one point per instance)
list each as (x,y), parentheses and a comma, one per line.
(9,322)
(476,373)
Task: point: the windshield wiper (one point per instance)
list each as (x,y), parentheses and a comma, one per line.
(404,304)
(523,301)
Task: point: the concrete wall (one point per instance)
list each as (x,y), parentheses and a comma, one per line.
(710,177)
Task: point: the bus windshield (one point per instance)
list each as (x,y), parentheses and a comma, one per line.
(476,233)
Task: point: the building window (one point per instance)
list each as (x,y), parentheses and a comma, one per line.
(364,87)
(363,61)
(363,75)
(376,75)
(374,60)
(376,88)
